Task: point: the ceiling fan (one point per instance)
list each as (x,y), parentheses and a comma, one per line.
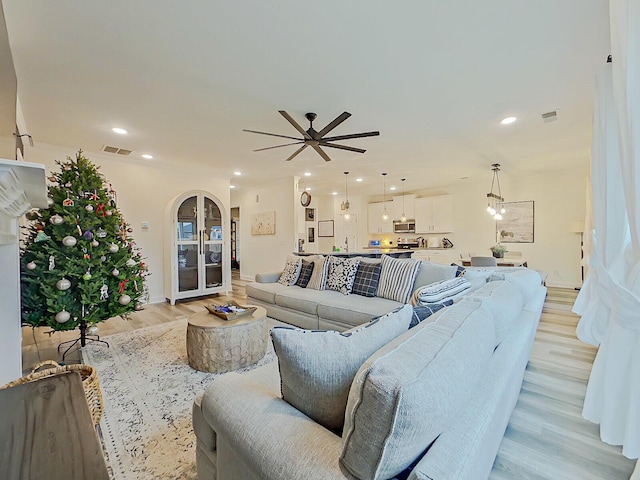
(316,140)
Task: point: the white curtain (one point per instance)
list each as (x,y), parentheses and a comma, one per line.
(609,301)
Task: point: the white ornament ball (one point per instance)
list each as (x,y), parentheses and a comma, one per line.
(69,241)
(113,248)
(95,243)
(124,299)
(103,258)
(89,208)
(31,266)
(109,213)
(93,330)
(115,272)
(131,262)
(56,220)
(49,201)
(63,316)
(63,284)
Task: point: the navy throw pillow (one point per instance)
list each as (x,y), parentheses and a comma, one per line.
(459,271)
(305,274)
(367,279)
(425,311)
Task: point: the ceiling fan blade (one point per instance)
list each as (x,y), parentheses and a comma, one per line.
(338,120)
(278,146)
(295,124)
(353,135)
(321,153)
(297,152)
(270,134)
(342,147)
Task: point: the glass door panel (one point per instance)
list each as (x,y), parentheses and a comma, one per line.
(187,267)
(212,220)
(213,264)
(188,220)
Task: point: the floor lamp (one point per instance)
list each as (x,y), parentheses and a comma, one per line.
(578,227)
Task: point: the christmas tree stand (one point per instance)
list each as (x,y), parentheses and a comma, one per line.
(82,340)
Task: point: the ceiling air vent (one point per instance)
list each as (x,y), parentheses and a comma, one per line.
(550,116)
(116,150)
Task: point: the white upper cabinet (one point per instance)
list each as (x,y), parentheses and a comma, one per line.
(374,217)
(409,206)
(434,214)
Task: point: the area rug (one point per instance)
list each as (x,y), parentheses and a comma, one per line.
(148,390)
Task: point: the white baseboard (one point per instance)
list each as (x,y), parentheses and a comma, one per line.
(248,278)
(159,299)
(560,284)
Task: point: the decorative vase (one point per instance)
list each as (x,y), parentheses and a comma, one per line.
(498,254)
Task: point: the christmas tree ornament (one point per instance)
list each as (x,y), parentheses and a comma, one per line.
(52,178)
(52,262)
(31,266)
(56,220)
(95,243)
(78,226)
(135,285)
(41,237)
(131,262)
(63,284)
(113,248)
(67,168)
(93,330)
(100,210)
(68,184)
(109,213)
(115,272)
(69,241)
(32,215)
(93,196)
(104,292)
(103,258)
(130,230)
(67,202)
(87,275)
(101,233)
(49,201)
(89,208)
(124,299)
(139,307)
(63,316)
(88,234)
(85,254)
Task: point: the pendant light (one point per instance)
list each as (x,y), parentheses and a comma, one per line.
(403,217)
(385,214)
(495,201)
(344,206)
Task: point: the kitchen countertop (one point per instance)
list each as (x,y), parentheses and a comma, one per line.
(369,252)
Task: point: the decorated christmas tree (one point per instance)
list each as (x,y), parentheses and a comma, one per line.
(80,265)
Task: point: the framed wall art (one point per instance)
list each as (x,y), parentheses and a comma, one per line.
(309,214)
(263,223)
(311,234)
(325,228)
(517,224)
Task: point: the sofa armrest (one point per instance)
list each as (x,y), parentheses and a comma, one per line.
(271,438)
(269,277)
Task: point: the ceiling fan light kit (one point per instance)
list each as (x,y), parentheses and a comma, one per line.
(314,139)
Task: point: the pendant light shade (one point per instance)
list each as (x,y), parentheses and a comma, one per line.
(344,206)
(495,201)
(385,214)
(403,217)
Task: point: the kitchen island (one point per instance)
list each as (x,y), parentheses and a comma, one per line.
(369,252)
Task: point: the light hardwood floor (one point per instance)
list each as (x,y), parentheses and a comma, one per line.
(547,438)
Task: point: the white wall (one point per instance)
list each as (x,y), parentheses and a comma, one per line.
(11,337)
(267,253)
(143,192)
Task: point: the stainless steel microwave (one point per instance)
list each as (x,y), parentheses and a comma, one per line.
(408,226)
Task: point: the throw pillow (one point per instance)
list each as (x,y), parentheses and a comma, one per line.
(291,271)
(367,279)
(396,278)
(436,292)
(317,367)
(422,312)
(305,274)
(318,278)
(342,273)
(459,269)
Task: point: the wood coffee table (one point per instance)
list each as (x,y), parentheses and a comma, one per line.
(217,345)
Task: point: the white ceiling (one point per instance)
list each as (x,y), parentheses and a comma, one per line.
(434,77)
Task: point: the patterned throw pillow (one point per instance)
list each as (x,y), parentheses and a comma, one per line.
(342,273)
(367,279)
(305,274)
(459,269)
(318,279)
(422,312)
(396,278)
(291,271)
(436,292)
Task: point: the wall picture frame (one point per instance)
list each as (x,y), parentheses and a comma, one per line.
(325,228)
(309,214)
(518,223)
(311,234)
(263,223)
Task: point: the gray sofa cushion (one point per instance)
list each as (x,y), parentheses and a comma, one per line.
(526,280)
(408,392)
(304,300)
(354,309)
(317,367)
(396,278)
(266,291)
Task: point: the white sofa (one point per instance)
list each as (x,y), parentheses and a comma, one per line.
(457,377)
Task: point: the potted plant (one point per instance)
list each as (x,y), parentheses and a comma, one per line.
(498,250)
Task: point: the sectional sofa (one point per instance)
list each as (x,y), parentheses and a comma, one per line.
(431,404)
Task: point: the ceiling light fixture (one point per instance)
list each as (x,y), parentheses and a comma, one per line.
(508,120)
(385,214)
(403,217)
(237,173)
(147,156)
(495,202)
(392,188)
(308,189)
(119,130)
(334,193)
(232,186)
(358,179)
(307,174)
(344,206)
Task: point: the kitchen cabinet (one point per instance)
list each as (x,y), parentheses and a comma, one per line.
(409,206)
(197,255)
(442,256)
(434,214)
(374,217)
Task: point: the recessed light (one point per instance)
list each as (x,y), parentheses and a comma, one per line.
(392,188)
(147,156)
(334,193)
(119,130)
(307,174)
(508,120)
(232,186)
(358,179)
(464,178)
(308,189)
(237,173)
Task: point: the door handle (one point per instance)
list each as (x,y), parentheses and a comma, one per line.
(200,248)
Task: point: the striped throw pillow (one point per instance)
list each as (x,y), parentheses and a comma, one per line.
(318,279)
(396,278)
